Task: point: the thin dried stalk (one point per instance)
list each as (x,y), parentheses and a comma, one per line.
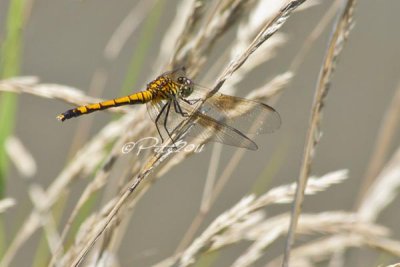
(31,85)
(273,88)
(181,29)
(118,203)
(85,162)
(128,25)
(314,35)
(385,244)
(320,250)
(266,233)
(383,191)
(42,211)
(266,32)
(261,13)
(99,181)
(386,133)
(193,52)
(6,203)
(311,224)
(339,35)
(87,227)
(244,211)
(21,157)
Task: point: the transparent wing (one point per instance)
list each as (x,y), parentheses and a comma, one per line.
(166,116)
(221,118)
(204,128)
(154,108)
(249,116)
(201,127)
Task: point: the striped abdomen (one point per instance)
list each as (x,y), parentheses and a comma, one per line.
(137,98)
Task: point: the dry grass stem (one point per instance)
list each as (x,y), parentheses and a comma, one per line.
(383,191)
(31,85)
(43,212)
(243,212)
(181,30)
(273,88)
(387,131)
(126,28)
(385,244)
(6,203)
(260,14)
(339,35)
(308,4)
(321,250)
(21,157)
(265,53)
(265,33)
(193,52)
(211,176)
(266,233)
(84,162)
(314,35)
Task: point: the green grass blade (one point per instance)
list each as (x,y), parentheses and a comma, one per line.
(10,59)
(274,165)
(145,41)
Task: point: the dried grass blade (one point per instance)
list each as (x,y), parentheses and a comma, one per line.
(86,160)
(21,157)
(193,53)
(339,35)
(266,32)
(244,210)
(6,203)
(383,191)
(320,250)
(30,85)
(387,130)
(192,12)
(126,28)
(265,233)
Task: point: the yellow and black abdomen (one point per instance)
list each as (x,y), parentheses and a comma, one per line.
(137,98)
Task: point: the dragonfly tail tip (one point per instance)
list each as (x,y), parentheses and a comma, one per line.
(61,117)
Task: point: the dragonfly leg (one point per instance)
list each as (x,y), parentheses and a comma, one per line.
(158,118)
(191,101)
(166,120)
(179,110)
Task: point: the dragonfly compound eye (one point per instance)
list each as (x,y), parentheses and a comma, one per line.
(181,79)
(186,90)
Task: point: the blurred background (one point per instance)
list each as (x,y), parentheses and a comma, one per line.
(63,43)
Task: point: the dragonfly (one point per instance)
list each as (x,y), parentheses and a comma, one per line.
(176,104)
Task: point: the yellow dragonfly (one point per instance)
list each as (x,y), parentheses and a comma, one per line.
(174,102)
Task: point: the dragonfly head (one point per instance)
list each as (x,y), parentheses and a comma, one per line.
(186,86)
